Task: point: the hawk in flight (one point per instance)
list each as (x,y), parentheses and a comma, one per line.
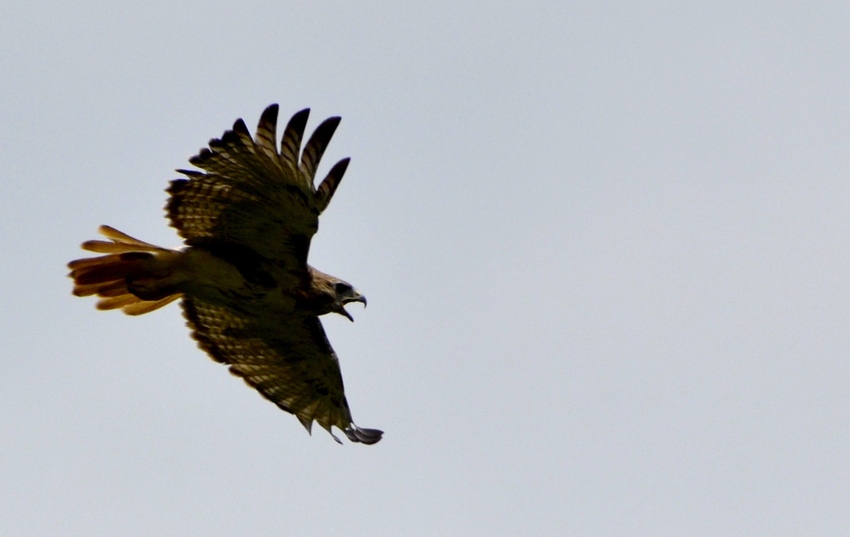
(247,292)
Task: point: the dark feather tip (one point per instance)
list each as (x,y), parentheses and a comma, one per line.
(230,137)
(269,115)
(339,168)
(202,155)
(299,121)
(325,131)
(240,127)
(363,436)
(177,185)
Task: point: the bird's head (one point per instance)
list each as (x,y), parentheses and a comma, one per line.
(345,294)
(329,294)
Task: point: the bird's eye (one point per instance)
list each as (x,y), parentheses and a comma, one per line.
(342,288)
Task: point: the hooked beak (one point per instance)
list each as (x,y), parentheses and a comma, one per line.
(355,297)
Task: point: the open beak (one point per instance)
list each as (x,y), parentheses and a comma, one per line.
(356,297)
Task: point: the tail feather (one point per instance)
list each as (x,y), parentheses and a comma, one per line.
(107,276)
(115,302)
(123,238)
(146,306)
(116,288)
(111,268)
(106,247)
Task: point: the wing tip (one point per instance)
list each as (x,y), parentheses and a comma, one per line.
(269,115)
(363,436)
(298,121)
(326,129)
(239,127)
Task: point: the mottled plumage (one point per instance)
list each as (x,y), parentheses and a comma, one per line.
(248,294)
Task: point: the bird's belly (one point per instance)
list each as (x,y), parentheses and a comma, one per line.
(216,281)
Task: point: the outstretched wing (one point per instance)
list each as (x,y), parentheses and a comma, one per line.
(287,359)
(253,195)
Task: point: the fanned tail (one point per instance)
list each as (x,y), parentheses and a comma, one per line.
(128,261)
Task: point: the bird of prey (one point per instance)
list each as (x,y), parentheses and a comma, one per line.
(247,216)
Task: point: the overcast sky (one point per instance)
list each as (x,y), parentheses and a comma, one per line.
(605,244)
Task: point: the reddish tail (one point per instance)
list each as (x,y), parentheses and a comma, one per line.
(107,276)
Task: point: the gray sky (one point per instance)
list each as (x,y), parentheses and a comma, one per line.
(605,248)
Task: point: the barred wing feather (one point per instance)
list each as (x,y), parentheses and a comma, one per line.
(287,359)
